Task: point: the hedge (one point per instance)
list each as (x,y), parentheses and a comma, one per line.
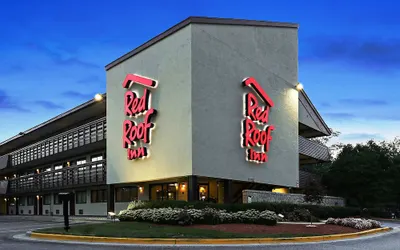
(321,212)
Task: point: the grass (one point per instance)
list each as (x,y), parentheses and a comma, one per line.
(146,230)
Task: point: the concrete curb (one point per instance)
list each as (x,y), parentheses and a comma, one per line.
(171,241)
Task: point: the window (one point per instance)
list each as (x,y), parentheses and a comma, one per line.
(47,170)
(58,167)
(99,196)
(22,201)
(81,197)
(57,200)
(47,199)
(126,194)
(97,158)
(81,162)
(31,200)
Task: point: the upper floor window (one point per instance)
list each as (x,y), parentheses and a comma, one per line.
(81,162)
(97,158)
(58,167)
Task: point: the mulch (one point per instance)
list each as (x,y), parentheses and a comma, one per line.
(278,229)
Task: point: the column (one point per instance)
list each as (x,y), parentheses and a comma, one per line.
(228,195)
(193,188)
(110,198)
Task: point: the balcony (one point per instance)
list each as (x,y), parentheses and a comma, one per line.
(312,152)
(86,134)
(68,177)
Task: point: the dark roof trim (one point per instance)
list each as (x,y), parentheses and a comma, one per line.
(69,112)
(328,130)
(198,20)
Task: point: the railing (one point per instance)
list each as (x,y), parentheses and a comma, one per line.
(90,173)
(77,137)
(313,149)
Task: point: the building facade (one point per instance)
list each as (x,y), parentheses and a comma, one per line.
(201,112)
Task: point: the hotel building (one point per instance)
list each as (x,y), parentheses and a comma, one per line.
(204,110)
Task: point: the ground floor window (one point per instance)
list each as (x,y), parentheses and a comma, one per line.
(98,196)
(203,192)
(21,201)
(47,199)
(164,191)
(126,194)
(57,200)
(30,200)
(81,197)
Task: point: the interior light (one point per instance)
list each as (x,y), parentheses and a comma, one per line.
(299,86)
(98,97)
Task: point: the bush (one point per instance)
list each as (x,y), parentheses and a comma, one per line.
(357,223)
(179,216)
(321,212)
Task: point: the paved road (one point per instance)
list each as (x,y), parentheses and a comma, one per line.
(9,228)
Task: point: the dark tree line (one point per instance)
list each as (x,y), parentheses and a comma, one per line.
(366,175)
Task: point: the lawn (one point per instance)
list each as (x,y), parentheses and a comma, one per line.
(146,230)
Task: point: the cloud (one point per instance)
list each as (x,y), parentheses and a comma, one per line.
(7,103)
(77,95)
(364,102)
(48,105)
(339,115)
(60,59)
(371,54)
(362,136)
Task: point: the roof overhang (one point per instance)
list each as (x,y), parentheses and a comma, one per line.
(320,128)
(74,117)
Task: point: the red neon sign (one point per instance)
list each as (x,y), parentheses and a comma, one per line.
(134,106)
(255,115)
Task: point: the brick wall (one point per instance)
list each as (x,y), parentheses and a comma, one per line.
(266,196)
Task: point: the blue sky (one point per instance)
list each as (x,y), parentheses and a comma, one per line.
(53,53)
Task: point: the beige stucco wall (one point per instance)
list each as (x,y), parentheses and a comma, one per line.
(168,62)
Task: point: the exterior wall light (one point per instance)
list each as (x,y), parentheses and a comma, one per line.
(98,97)
(299,86)
(141,189)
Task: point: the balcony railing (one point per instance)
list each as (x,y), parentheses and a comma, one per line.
(90,173)
(313,149)
(77,137)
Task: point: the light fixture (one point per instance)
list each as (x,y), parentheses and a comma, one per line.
(37,170)
(141,189)
(37,197)
(98,97)
(299,86)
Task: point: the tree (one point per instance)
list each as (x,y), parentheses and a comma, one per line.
(313,192)
(366,174)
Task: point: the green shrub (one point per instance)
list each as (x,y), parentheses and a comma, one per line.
(321,212)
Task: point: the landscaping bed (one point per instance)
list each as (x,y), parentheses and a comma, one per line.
(282,229)
(221,231)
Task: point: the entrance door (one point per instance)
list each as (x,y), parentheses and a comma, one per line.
(35,206)
(72,205)
(40,203)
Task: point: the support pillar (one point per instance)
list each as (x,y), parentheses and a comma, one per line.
(193,188)
(17,205)
(228,191)
(110,198)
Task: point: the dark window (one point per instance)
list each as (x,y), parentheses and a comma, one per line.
(31,200)
(126,194)
(57,199)
(22,201)
(99,196)
(57,211)
(80,211)
(47,199)
(81,197)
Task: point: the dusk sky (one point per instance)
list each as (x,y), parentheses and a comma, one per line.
(53,53)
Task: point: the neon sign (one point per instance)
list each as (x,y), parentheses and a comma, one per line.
(255,114)
(135,106)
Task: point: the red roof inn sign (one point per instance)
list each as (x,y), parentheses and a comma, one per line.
(135,132)
(255,115)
